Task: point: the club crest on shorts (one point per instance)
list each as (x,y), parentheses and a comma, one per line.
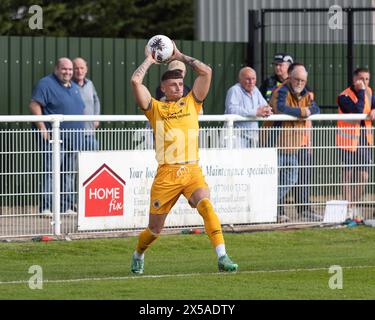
(156,204)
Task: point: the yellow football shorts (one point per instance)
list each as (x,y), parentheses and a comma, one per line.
(171,181)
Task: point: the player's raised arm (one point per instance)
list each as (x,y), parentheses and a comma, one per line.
(203,80)
(141,93)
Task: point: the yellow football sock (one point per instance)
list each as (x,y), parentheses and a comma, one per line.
(211,222)
(146,237)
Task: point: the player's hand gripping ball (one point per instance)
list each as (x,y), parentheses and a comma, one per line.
(160,47)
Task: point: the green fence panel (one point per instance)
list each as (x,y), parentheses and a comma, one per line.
(339,70)
(96,67)
(15,73)
(187,47)
(62,47)
(130,66)
(51,54)
(4,71)
(372,61)
(25,60)
(208,58)
(327,91)
(197,52)
(218,72)
(318,70)
(229,66)
(26,72)
(119,79)
(73,47)
(108,75)
(38,59)
(85,52)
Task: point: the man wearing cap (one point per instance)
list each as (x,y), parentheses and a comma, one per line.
(281,63)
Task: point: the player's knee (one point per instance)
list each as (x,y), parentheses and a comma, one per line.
(205,207)
(155,229)
(198,195)
(156,223)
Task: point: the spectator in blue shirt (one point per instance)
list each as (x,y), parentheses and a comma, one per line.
(90,99)
(245,99)
(57,94)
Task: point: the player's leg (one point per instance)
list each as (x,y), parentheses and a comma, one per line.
(145,239)
(200,199)
(164,194)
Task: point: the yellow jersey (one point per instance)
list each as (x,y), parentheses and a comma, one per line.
(176,129)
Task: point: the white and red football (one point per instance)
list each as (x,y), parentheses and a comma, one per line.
(161,48)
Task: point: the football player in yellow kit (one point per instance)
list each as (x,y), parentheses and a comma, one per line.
(175,127)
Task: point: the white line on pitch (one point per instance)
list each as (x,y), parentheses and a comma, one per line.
(158,276)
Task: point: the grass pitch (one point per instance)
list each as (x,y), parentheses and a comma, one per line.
(272,265)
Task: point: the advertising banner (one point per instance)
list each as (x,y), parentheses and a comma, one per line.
(114,188)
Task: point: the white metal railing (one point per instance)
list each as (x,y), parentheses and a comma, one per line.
(320,168)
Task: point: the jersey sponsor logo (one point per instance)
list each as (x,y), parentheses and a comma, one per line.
(176,115)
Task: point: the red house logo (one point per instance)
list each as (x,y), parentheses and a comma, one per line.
(104,193)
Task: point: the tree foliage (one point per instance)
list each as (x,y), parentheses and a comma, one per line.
(101,18)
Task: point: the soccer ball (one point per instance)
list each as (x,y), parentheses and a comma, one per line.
(161,48)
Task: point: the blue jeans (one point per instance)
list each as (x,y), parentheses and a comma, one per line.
(245,137)
(302,193)
(288,173)
(71,143)
(90,143)
(246,142)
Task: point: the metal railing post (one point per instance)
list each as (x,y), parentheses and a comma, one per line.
(56,175)
(230,134)
(262,45)
(350,45)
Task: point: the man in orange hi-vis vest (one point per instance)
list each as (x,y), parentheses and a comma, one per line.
(175,127)
(353,137)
